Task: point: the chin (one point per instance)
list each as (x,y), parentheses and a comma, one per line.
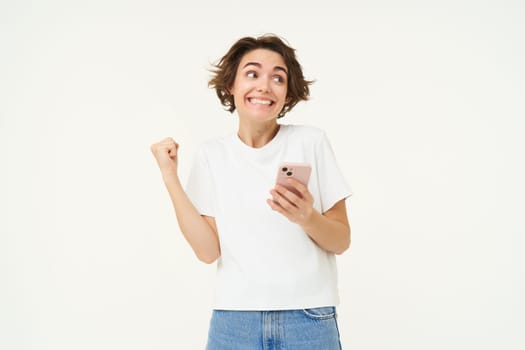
(263,118)
(259,116)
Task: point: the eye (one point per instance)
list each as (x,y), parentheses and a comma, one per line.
(278,79)
(251,74)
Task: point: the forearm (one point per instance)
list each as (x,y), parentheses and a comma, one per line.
(199,234)
(328,233)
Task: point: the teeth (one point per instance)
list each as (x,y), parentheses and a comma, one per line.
(261,102)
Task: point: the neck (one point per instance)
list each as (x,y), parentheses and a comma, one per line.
(257,135)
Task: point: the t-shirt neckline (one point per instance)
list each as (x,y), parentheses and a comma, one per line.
(273,142)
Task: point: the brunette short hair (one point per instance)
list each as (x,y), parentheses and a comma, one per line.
(225,70)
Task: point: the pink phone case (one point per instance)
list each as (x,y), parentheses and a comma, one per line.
(298,171)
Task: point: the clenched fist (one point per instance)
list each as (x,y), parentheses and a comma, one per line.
(165,153)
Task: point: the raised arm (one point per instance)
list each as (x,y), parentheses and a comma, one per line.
(200,231)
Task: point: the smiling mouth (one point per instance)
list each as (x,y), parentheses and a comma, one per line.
(257,101)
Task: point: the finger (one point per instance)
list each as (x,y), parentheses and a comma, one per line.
(300,187)
(166,142)
(172,150)
(283,201)
(302,191)
(169,146)
(289,195)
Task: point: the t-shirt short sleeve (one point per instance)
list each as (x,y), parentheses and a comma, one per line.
(333,185)
(200,187)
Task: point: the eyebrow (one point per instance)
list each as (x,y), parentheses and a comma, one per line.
(257,64)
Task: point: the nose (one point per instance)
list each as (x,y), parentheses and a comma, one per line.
(264,85)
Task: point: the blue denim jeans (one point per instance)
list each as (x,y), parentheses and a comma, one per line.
(308,329)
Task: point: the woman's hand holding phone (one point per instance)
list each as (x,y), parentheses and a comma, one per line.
(290,196)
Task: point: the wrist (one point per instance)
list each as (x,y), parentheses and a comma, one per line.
(170,177)
(310,219)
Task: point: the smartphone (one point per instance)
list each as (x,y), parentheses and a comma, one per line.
(298,171)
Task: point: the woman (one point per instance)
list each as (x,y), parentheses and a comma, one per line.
(275,247)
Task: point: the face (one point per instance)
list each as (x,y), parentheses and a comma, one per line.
(260,86)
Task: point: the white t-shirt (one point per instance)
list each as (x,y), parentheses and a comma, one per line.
(267,262)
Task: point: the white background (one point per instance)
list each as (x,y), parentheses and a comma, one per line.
(423,104)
